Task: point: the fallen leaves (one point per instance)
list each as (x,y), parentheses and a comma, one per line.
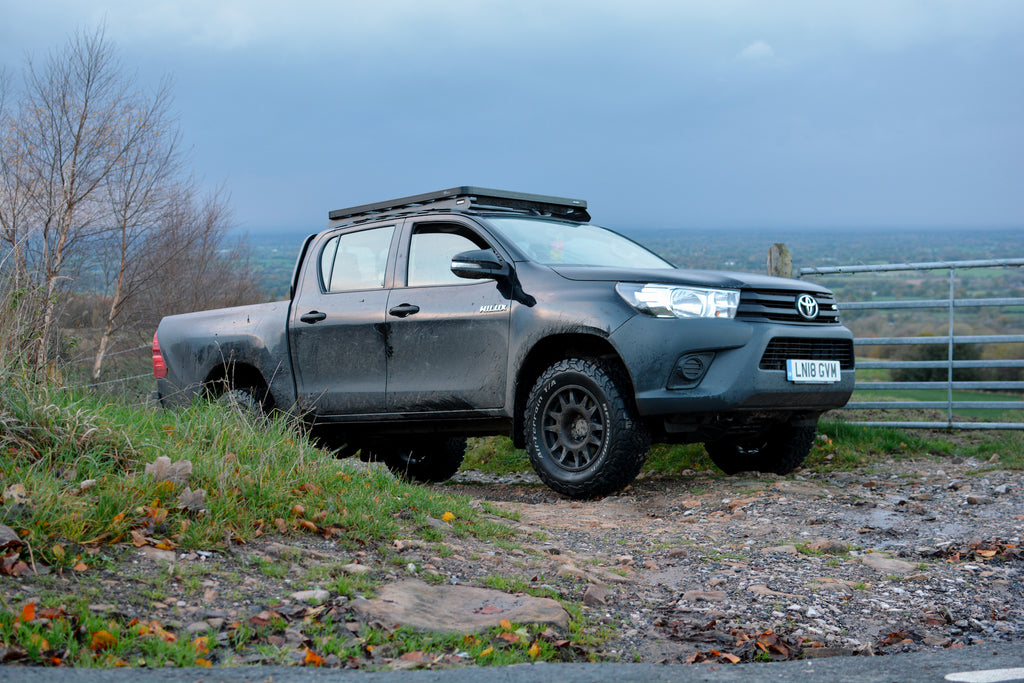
(162,469)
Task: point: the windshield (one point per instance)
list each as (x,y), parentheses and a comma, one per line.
(577,244)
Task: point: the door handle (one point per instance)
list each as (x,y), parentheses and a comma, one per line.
(313,317)
(403,310)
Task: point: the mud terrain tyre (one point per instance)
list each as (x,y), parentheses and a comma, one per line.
(780,450)
(582,431)
(430,459)
(245,404)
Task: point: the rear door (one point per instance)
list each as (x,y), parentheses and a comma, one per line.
(447,336)
(337,326)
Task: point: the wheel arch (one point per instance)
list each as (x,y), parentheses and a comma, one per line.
(239,375)
(551,350)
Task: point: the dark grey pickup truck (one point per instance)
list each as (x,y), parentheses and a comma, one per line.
(417,322)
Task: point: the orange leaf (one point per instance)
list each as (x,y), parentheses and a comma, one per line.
(308,525)
(28,612)
(534,650)
(202,645)
(101,640)
(506,624)
(205,663)
(281,525)
(487,652)
(80,566)
(509,637)
(312,658)
(732,659)
(298,510)
(139,539)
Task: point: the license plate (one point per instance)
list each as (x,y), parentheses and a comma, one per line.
(812,371)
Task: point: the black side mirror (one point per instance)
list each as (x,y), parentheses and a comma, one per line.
(480,264)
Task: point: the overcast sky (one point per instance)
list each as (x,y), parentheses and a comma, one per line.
(717,113)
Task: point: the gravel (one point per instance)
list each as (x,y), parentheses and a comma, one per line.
(895,557)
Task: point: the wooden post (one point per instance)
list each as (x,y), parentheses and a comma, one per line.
(780,261)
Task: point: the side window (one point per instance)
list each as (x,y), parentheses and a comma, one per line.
(356,260)
(431,252)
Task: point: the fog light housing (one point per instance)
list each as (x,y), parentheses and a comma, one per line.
(690,369)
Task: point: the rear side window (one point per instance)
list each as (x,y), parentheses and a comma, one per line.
(356,260)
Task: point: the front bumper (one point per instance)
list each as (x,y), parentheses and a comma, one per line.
(735,379)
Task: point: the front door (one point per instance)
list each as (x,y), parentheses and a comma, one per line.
(447,336)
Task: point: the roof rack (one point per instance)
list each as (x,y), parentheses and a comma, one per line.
(467,198)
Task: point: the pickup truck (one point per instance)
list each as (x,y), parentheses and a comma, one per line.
(417,322)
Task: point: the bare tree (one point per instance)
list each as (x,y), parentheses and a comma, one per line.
(74,126)
(138,192)
(90,182)
(191,263)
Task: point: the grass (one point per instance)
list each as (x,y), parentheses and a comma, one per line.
(840,446)
(82,480)
(82,469)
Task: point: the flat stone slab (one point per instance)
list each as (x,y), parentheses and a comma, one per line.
(458,609)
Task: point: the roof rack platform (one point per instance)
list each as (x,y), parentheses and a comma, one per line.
(468,198)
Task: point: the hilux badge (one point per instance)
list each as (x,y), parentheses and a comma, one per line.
(493,308)
(807,306)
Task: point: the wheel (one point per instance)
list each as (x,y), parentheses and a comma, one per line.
(429,459)
(582,432)
(780,450)
(244,402)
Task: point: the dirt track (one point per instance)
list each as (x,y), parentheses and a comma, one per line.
(899,557)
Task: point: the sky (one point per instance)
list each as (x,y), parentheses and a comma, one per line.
(709,114)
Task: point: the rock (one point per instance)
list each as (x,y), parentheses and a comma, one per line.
(316,596)
(823,652)
(785,549)
(979,500)
(595,595)
(812,613)
(569,571)
(829,547)
(355,568)
(157,555)
(887,564)
(197,627)
(704,596)
(457,609)
(763,591)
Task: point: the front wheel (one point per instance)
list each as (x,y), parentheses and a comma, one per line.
(582,431)
(780,450)
(430,459)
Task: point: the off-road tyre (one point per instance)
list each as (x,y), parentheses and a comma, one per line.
(429,459)
(780,450)
(245,403)
(582,432)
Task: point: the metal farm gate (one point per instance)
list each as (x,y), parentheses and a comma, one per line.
(951,340)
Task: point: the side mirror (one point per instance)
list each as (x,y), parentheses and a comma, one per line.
(480,264)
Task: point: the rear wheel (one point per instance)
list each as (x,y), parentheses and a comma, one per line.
(582,432)
(430,459)
(780,450)
(244,402)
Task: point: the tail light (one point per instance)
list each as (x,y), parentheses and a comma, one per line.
(159,366)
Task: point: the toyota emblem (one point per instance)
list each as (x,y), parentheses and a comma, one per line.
(807,306)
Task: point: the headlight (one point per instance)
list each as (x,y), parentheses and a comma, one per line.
(672,301)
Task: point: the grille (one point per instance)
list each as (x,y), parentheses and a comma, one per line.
(780,305)
(781,349)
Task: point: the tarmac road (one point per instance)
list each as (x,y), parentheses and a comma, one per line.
(978,664)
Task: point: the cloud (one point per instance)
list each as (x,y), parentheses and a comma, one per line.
(757,51)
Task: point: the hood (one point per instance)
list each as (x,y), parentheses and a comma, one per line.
(678,276)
